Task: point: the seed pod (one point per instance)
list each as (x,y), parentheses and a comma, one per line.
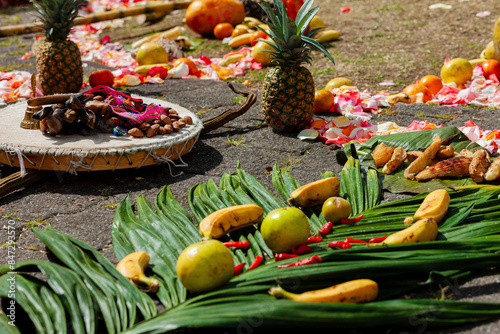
(149,119)
(181,122)
(73,103)
(174,118)
(188,120)
(162,130)
(172,112)
(70,115)
(176,127)
(153,130)
(157,121)
(110,100)
(98,98)
(135,132)
(144,126)
(169,128)
(165,120)
(54,124)
(43,125)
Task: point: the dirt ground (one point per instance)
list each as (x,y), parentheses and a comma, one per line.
(380,40)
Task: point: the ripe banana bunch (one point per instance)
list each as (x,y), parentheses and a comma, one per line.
(132,267)
(435,206)
(315,193)
(220,222)
(422,231)
(356,291)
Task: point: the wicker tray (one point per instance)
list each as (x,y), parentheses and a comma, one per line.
(100,151)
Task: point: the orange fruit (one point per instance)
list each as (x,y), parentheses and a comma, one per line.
(457,70)
(256,35)
(432,82)
(223,30)
(414,89)
(193,70)
(323,100)
(491,66)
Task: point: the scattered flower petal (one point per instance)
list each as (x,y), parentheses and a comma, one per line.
(308,134)
(439,6)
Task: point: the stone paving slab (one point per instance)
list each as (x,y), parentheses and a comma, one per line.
(83,205)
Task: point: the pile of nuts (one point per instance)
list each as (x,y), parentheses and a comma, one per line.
(162,125)
(82,113)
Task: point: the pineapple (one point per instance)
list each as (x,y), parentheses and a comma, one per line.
(58,60)
(288,93)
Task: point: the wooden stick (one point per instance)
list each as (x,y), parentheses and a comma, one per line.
(14,181)
(221,119)
(150,7)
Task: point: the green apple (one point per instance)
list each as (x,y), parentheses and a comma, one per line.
(285,227)
(205,266)
(336,208)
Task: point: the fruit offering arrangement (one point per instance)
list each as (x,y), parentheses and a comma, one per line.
(437,161)
(109,111)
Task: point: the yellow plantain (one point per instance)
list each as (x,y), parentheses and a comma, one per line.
(132,267)
(315,193)
(422,231)
(220,222)
(435,205)
(356,291)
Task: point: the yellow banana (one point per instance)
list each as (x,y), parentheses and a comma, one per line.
(142,70)
(240,40)
(475,62)
(326,36)
(315,193)
(231,59)
(356,291)
(132,267)
(399,97)
(220,222)
(435,205)
(250,22)
(422,231)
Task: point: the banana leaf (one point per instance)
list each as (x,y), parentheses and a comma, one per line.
(85,294)
(412,141)
(264,312)
(469,239)
(7,328)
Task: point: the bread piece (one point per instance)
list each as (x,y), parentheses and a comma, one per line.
(421,162)
(479,165)
(493,171)
(445,152)
(381,154)
(397,158)
(452,167)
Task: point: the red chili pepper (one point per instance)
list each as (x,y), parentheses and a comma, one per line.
(309,260)
(256,262)
(351,220)
(237,244)
(355,241)
(377,240)
(339,244)
(302,249)
(326,228)
(283,256)
(238,268)
(313,240)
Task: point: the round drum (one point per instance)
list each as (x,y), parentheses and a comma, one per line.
(26,148)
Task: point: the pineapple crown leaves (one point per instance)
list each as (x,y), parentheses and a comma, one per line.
(291,44)
(57,16)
